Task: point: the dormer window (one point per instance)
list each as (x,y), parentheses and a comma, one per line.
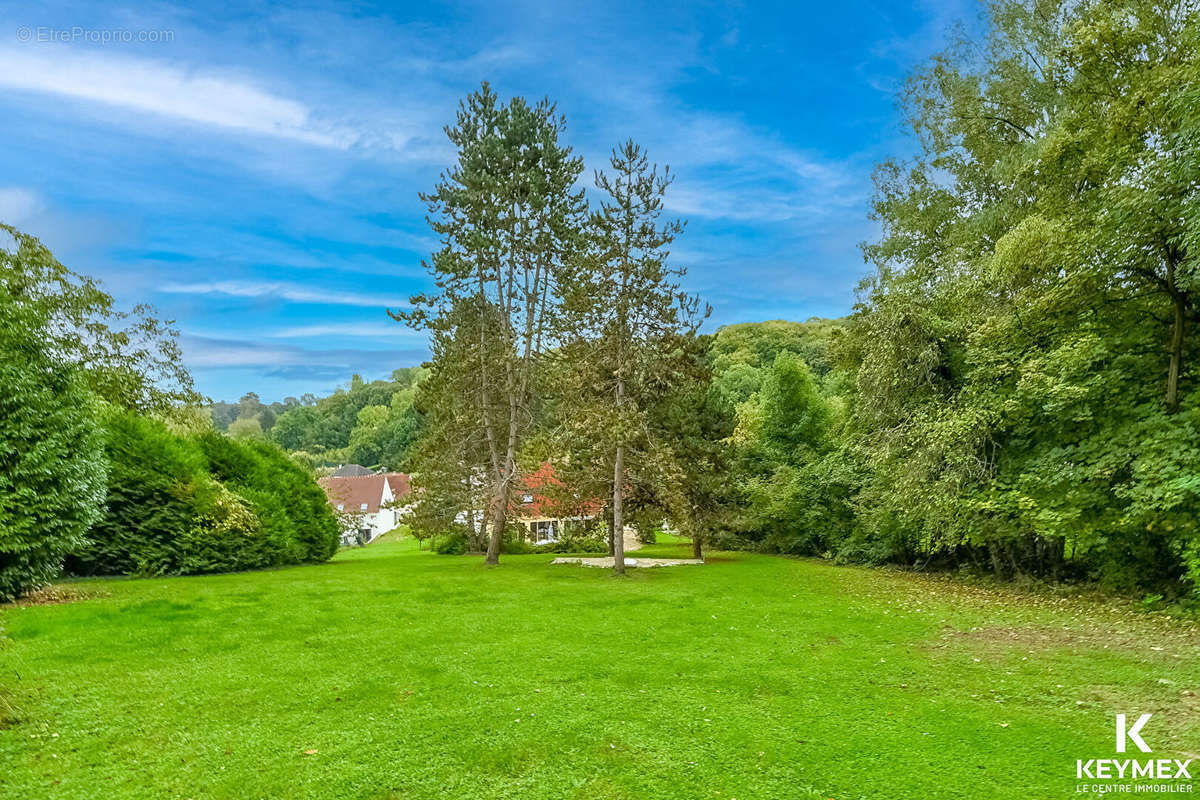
(364,506)
(341,506)
(528,499)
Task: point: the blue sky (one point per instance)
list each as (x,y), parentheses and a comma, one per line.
(252,169)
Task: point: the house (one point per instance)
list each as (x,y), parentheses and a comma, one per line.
(543,506)
(368,505)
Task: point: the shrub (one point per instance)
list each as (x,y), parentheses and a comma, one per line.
(293,509)
(51,470)
(181,505)
(454,544)
(515,547)
(582,544)
(155,483)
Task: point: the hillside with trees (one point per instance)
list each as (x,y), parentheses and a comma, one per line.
(370,423)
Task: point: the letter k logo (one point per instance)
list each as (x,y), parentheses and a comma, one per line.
(1133,734)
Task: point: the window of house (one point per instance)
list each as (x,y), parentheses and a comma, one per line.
(341,506)
(364,506)
(527,499)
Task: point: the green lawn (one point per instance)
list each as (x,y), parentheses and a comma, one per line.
(396,673)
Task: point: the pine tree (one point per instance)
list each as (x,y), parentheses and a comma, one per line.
(508,215)
(627,311)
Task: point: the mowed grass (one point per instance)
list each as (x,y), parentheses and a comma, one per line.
(393,673)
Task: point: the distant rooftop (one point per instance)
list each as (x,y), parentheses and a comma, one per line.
(351,471)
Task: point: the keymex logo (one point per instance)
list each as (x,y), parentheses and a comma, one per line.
(1116,769)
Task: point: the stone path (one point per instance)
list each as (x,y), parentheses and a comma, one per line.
(608,561)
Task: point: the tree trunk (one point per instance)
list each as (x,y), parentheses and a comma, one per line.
(1176,354)
(493,550)
(499,513)
(618,531)
(697,548)
(607,519)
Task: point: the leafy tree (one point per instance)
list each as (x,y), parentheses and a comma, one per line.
(508,214)
(1024,390)
(786,433)
(51,468)
(128,358)
(331,430)
(690,480)
(245,427)
(451,460)
(364,439)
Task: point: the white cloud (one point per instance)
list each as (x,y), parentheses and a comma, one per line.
(285,291)
(18,206)
(201,352)
(156,87)
(370,329)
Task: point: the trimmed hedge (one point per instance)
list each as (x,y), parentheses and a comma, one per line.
(182,505)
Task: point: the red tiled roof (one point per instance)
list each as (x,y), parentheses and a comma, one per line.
(542,482)
(400,484)
(352,493)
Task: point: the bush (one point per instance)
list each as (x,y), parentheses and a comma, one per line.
(454,544)
(181,505)
(51,470)
(158,484)
(582,544)
(293,508)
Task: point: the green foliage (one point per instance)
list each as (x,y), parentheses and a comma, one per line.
(293,509)
(373,424)
(51,469)
(245,428)
(454,544)
(572,544)
(158,484)
(128,358)
(795,489)
(1025,397)
(185,504)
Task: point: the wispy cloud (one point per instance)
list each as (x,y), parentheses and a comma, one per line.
(388,330)
(155,87)
(285,291)
(207,353)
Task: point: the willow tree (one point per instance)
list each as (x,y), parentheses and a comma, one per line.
(508,216)
(628,313)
